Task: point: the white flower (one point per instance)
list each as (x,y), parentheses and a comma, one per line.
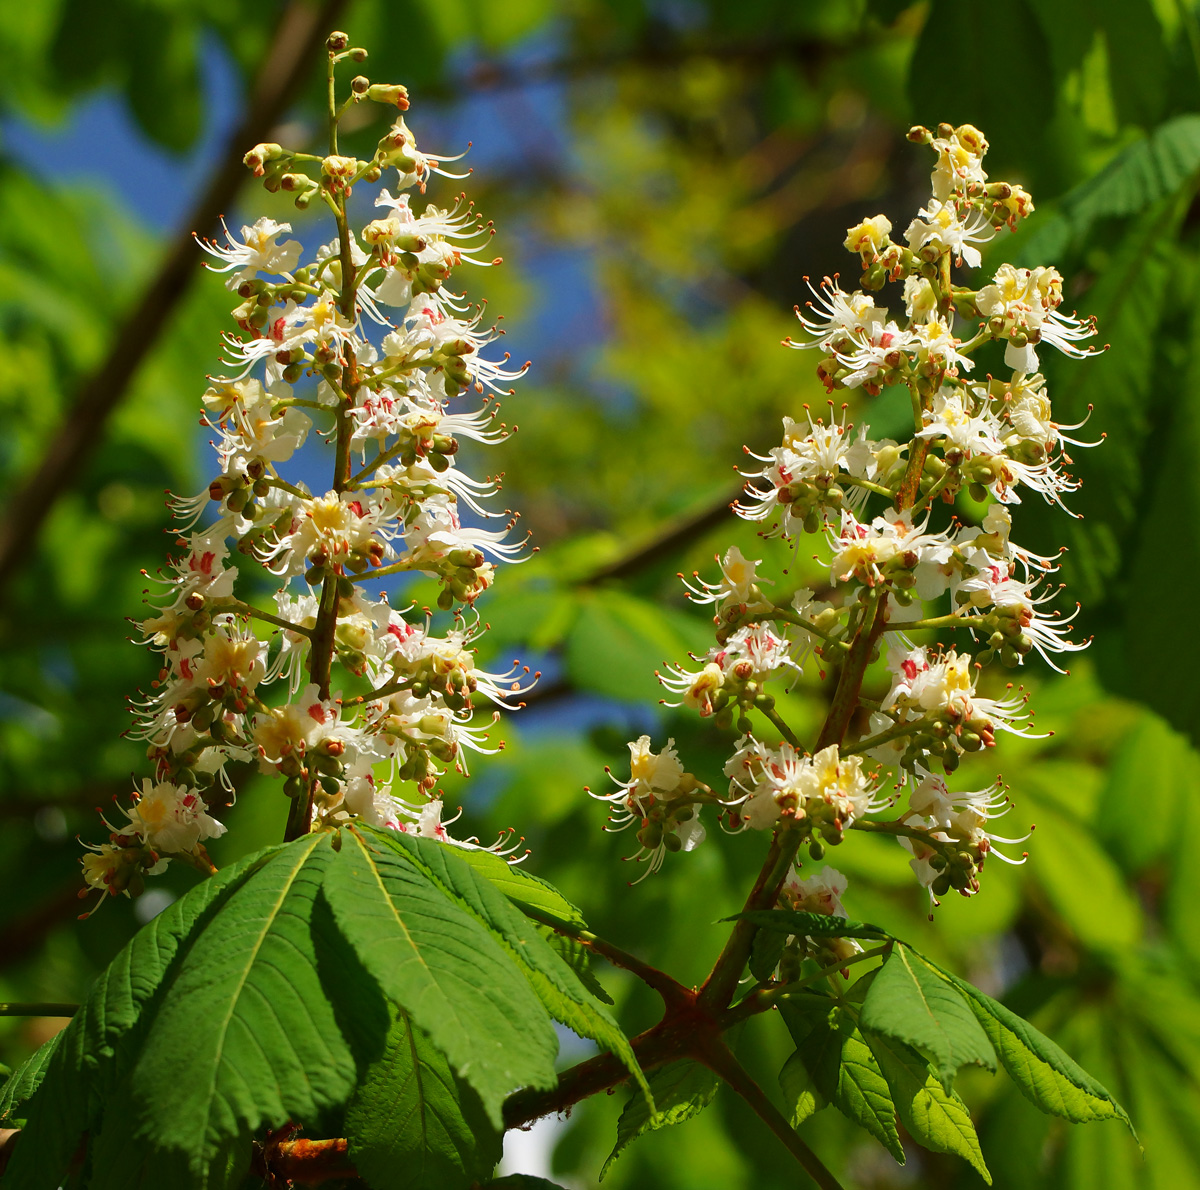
(939,227)
(738,587)
(1022,305)
(172,818)
(257,252)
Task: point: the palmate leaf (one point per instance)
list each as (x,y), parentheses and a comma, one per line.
(411,1123)
(681,1090)
(261,997)
(437,962)
(937,1119)
(98,1045)
(914,1004)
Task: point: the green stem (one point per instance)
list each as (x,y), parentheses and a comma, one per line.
(249,610)
(784,730)
(953,620)
(877,488)
(941,483)
(892,733)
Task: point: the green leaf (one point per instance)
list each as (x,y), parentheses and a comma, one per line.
(681,1090)
(833,1064)
(912,1003)
(525,890)
(959,92)
(544,903)
(246,1035)
(765,952)
(25,1080)
(617,642)
(800,1090)
(556,984)
(577,956)
(1084,884)
(936,1119)
(1045,1075)
(412,1125)
(863,1095)
(520,1181)
(437,962)
(810,925)
(1149,169)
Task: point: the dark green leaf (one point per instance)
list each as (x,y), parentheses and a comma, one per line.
(25,1080)
(958,92)
(246,1036)
(556,983)
(810,925)
(936,1119)
(765,953)
(681,1090)
(99,1044)
(914,1004)
(412,1125)
(438,963)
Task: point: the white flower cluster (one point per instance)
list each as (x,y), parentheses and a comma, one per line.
(990,439)
(307,361)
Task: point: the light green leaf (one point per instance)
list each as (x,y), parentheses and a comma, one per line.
(452,976)
(412,1125)
(525,890)
(520,1181)
(1084,884)
(800,1090)
(912,1003)
(863,1095)
(681,1090)
(1045,1075)
(936,1119)
(616,644)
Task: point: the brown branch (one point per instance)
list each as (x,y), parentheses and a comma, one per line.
(297,38)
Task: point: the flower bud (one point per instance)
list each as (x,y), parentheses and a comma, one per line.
(392,93)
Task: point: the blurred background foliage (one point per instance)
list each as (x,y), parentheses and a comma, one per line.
(664,174)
